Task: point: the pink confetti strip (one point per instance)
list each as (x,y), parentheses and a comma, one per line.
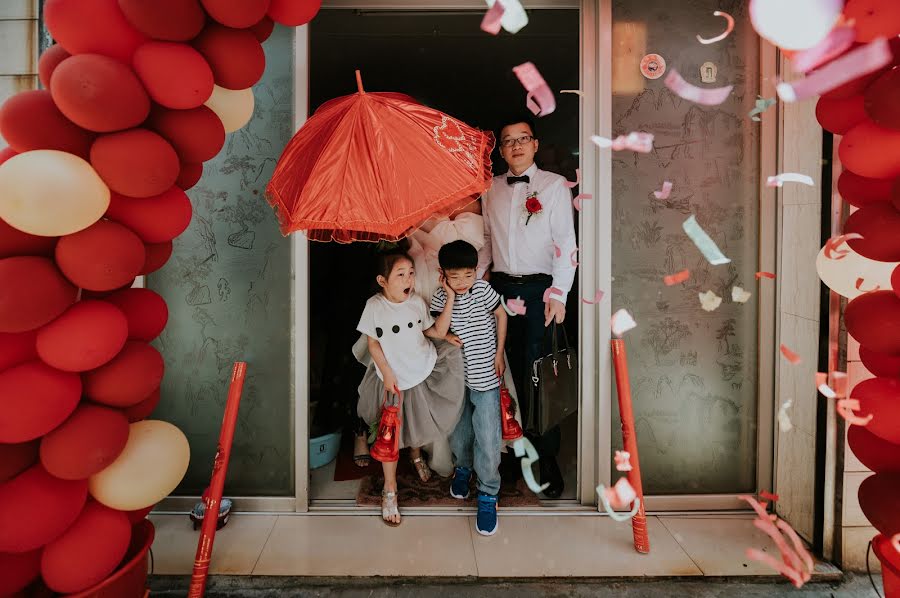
(621,322)
(572,257)
(678,277)
(698,95)
(767,526)
(623,462)
(765,275)
(665,191)
(572,184)
(821,378)
(553,291)
(598,296)
(517,306)
(832,244)
(855,63)
(790,355)
(839,382)
(491,21)
(791,563)
(537,88)
(846,407)
(579,198)
(832,46)
(859,283)
(636,141)
(767,559)
(728,29)
(610,498)
(799,548)
(789,177)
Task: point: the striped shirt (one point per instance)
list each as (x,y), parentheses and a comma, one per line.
(473,322)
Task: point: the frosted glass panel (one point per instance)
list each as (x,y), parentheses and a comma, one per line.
(693,373)
(228,290)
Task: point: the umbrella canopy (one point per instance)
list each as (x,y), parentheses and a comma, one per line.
(373,166)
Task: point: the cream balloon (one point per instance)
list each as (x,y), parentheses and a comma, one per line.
(51,193)
(151,465)
(794,24)
(234,107)
(840,275)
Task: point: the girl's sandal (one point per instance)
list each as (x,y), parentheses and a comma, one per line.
(389,508)
(422,469)
(362,459)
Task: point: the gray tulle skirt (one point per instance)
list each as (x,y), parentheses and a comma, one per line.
(431,409)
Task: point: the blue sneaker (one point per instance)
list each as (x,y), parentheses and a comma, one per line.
(459,487)
(486,521)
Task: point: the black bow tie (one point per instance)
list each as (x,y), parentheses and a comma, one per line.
(512,180)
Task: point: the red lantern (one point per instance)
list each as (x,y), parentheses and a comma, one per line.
(86,443)
(145,311)
(34,399)
(14,242)
(17,348)
(154,219)
(860,191)
(294,13)
(86,336)
(873,319)
(238,15)
(387,443)
(878,223)
(169,20)
(144,409)
(36,507)
(16,458)
(128,379)
(18,570)
(197,134)
(263,29)
(235,55)
(511,427)
(50,59)
(136,163)
(880,364)
(102,257)
(880,398)
(34,292)
(878,500)
(30,120)
(840,115)
(873,18)
(175,74)
(874,452)
(92,27)
(157,256)
(871,151)
(189,176)
(882,99)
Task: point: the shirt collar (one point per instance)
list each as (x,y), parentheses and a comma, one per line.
(529,172)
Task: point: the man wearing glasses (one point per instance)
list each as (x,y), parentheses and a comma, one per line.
(529,237)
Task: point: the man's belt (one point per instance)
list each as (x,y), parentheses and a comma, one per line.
(523,279)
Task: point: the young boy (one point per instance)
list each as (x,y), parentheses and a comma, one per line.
(476,440)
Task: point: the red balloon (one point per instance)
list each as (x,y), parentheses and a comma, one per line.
(239,15)
(294,13)
(18,570)
(88,551)
(841,115)
(92,27)
(877,454)
(16,458)
(878,500)
(880,364)
(871,151)
(882,100)
(34,399)
(5,154)
(86,443)
(48,62)
(873,18)
(144,409)
(136,163)
(86,336)
(15,242)
(136,516)
(157,256)
(30,120)
(235,55)
(145,310)
(880,397)
(155,219)
(128,379)
(36,507)
(197,134)
(169,20)
(873,319)
(102,257)
(99,93)
(263,29)
(17,348)
(175,74)
(86,294)
(878,224)
(189,176)
(34,292)
(860,191)
(895,194)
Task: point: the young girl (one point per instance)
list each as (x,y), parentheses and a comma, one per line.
(429,375)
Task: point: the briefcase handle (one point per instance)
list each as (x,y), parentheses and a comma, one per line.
(554,344)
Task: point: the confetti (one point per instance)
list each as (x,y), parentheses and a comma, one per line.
(665,191)
(579,198)
(557,250)
(784,420)
(577,92)
(728,28)
(618,497)
(795,576)
(698,95)
(514,15)
(739,295)
(845,408)
(768,496)
(537,88)
(765,275)
(622,461)
(839,381)
(821,378)
(832,244)
(636,141)
(827,391)
(762,104)
(572,257)
(522,447)
(785,527)
(517,306)
(678,277)
(709,301)
(859,283)
(621,322)
(790,355)
(571,184)
(789,177)
(855,63)
(552,291)
(704,243)
(598,296)
(505,307)
(491,21)
(834,44)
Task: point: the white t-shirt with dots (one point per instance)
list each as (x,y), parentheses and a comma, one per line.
(399,328)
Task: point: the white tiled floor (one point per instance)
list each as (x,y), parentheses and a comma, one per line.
(525,546)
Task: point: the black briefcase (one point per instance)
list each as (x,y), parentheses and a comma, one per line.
(555,382)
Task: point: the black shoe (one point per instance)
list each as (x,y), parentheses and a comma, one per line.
(551,474)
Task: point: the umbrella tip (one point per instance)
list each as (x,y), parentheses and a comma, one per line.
(359,84)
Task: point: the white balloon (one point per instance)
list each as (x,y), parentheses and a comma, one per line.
(234,107)
(841,275)
(794,24)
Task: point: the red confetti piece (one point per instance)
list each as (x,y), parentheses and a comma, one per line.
(832,244)
(598,296)
(768,496)
(859,283)
(673,279)
(764,275)
(491,21)
(790,355)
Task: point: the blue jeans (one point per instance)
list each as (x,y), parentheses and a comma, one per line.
(476,440)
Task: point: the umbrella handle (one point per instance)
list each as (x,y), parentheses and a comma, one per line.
(359,83)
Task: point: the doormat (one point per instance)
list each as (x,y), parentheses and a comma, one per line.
(345,468)
(412,492)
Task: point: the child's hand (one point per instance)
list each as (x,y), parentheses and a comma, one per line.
(453,339)
(499,364)
(451,294)
(390,382)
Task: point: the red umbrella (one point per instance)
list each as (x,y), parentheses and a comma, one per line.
(373,166)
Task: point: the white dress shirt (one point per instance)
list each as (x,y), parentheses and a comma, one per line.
(518,248)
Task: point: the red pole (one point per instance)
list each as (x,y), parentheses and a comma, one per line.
(639,521)
(217,483)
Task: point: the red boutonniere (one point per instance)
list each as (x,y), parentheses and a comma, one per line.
(532,206)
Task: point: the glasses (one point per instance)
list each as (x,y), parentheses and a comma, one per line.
(517,141)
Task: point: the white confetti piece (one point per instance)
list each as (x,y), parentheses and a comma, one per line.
(827,391)
(739,295)
(709,301)
(636,141)
(789,177)
(621,322)
(698,95)
(618,497)
(704,243)
(728,29)
(577,92)
(665,191)
(514,15)
(522,447)
(784,420)
(623,462)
